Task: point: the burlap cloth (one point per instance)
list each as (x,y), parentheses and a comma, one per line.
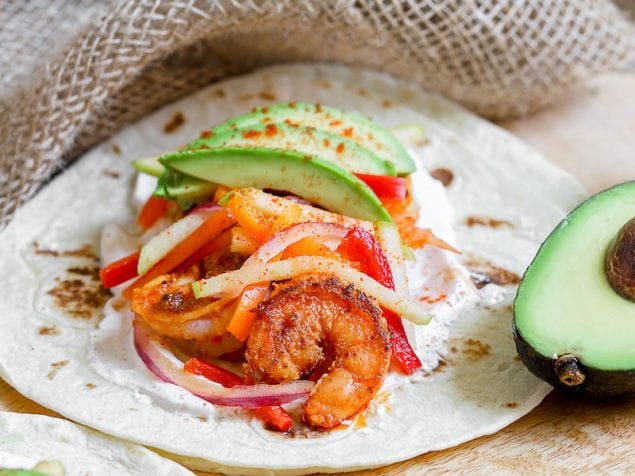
(75,71)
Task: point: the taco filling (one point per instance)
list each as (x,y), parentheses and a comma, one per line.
(273,275)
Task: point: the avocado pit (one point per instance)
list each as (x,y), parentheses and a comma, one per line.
(619,264)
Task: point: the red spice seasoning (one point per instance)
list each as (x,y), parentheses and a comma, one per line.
(271,130)
(251,134)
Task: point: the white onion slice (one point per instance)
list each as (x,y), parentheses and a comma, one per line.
(232,283)
(245,396)
(160,245)
(390,241)
(325,232)
(271,205)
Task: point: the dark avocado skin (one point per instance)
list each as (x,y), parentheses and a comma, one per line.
(597,383)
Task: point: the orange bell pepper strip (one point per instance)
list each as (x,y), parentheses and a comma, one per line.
(410,233)
(217,222)
(309,247)
(154,209)
(252,221)
(290,216)
(221,241)
(275,416)
(243,317)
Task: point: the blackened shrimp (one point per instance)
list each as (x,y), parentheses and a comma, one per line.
(307,325)
(167,305)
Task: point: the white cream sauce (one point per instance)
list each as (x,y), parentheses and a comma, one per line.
(15,461)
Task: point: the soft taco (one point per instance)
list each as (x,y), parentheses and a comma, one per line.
(290,257)
(37,445)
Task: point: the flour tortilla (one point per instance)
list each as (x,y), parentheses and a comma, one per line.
(26,440)
(496,176)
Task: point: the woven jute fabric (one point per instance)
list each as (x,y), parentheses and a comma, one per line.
(76,71)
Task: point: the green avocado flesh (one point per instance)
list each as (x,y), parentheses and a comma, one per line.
(183,189)
(305,140)
(355,127)
(309,177)
(565,304)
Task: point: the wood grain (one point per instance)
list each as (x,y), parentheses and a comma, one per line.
(591,134)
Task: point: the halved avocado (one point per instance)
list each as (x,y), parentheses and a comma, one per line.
(306,140)
(571,327)
(355,127)
(306,176)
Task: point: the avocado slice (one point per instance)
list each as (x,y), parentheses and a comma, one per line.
(183,189)
(355,127)
(571,327)
(306,140)
(309,177)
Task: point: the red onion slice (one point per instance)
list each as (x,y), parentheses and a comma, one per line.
(246,396)
(204,208)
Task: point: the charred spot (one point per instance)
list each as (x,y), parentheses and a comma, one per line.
(206,134)
(48,331)
(79,297)
(483,273)
(219,93)
(443,175)
(85,251)
(441,366)
(175,122)
(55,367)
(92,271)
(111,174)
(475,350)
(116,149)
(511,404)
(173,301)
(267,96)
(489,222)
(318,107)
(386,103)
(247,97)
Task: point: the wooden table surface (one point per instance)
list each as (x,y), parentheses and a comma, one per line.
(591,134)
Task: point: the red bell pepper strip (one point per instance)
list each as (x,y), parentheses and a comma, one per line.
(275,416)
(385,187)
(119,271)
(153,209)
(361,247)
